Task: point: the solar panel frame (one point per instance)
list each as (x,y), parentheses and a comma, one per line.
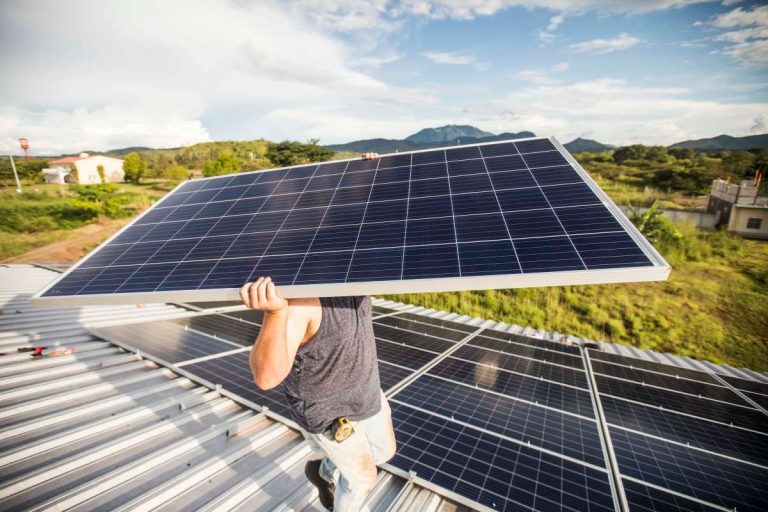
(657,270)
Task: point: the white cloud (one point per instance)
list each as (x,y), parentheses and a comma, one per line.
(547,35)
(542,75)
(616,112)
(459,59)
(760,124)
(747,33)
(601,46)
(192,72)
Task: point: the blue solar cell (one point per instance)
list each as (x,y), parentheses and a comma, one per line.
(430,187)
(442,213)
(426,207)
(472,183)
(428,157)
(470,228)
(426,231)
(462,153)
(426,171)
(547,254)
(507,163)
(506,180)
(462,167)
(488,258)
(381,234)
(527,224)
(570,195)
(612,250)
(423,262)
(347,214)
(325,267)
(491,150)
(530,146)
(386,211)
(395,160)
(358,179)
(393,174)
(379,265)
(522,199)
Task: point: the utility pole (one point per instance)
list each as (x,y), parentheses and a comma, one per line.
(15,174)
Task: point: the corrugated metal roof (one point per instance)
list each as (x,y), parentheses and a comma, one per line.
(107,429)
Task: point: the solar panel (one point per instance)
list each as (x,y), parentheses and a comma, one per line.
(498,215)
(177,345)
(680,431)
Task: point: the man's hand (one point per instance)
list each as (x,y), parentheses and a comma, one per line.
(369,156)
(263,295)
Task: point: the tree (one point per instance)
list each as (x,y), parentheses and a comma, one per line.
(286,153)
(175,173)
(225,163)
(739,163)
(633,152)
(102,175)
(134,167)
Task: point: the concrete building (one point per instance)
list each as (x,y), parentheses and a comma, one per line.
(60,170)
(740,207)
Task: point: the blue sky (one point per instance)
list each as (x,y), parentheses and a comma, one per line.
(99,75)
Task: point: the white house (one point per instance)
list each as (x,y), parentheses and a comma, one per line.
(60,170)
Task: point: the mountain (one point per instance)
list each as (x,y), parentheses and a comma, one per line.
(579,144)
(726,142)
(447,133)
(394,145)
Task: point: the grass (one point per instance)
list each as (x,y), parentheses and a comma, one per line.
(712,307)
(47,213)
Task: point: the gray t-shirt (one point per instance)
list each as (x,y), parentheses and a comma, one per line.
(336,373)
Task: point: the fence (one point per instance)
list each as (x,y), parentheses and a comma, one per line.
(699,219)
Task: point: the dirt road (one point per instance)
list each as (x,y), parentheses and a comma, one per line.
(73,247)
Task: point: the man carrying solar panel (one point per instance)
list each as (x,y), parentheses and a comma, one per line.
(323,352)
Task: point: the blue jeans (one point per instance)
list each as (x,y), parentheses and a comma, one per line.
(351,464)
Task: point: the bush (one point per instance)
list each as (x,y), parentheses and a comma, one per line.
(176,173)
(225,163)
(134,167)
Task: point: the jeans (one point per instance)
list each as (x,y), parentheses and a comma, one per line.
(351,464)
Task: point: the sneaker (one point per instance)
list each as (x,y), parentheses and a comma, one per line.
(325,489)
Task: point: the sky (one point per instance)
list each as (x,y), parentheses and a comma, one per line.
(98,75)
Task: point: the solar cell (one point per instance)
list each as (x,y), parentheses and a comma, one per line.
(494,215)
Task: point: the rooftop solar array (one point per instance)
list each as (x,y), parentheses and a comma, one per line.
(499,215)
(502,421)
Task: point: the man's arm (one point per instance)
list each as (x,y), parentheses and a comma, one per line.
(286,325)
